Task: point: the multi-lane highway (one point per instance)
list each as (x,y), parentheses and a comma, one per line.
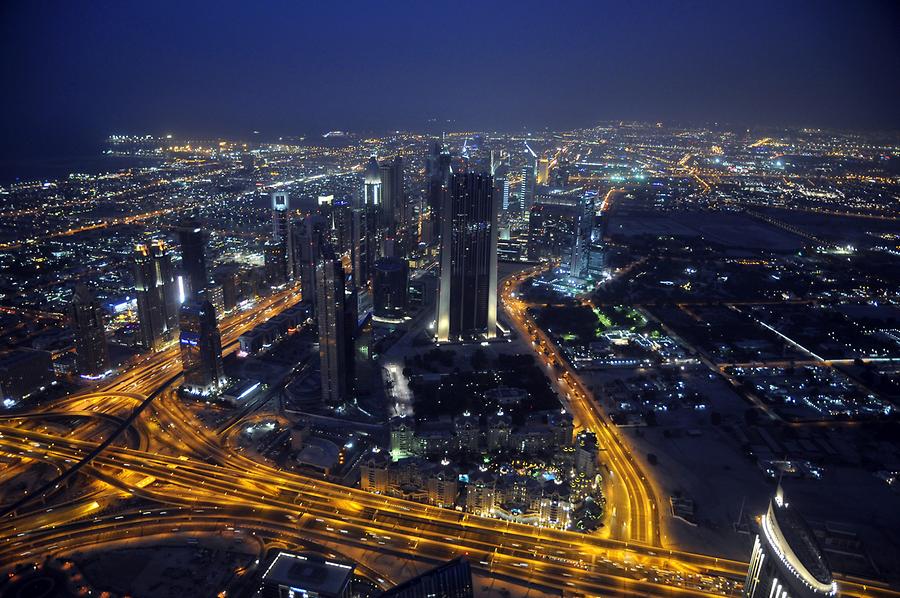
(197,484)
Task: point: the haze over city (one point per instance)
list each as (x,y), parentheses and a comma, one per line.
(407,299)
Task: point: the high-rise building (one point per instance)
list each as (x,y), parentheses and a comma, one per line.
(193,252)
(335,346)
(24,372)
(501,190)
(275,263)
(438,171)
(787,561)
(157,294)
(467,301)
(526,188)
(308,239)
(393,198)
(543,171)
(201,347)
(372,185)
(579,259)
(450,580)
(281,230)
(91,352)
(597,257)
(390,287)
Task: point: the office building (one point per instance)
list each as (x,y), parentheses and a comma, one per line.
(201,347)
(393,198)
(450,580)
(336,316)
(526,188)
(293,575)
(467,301)
(275,260)
(390,288)
(192,239)
(438,171)
(787,561)
(157,294)
(282,231)
(579,257)
(308,237)
(91,352)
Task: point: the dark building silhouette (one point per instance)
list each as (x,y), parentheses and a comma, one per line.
(438,170)
(192,238)
(393,203)
(450,580)
(91,352)
(157,294)
(24,372)
(201,347)
(308,238)
(305,575)
(390,287)
(467,302)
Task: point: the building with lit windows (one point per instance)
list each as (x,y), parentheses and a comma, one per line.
(282,232)
(201,347)
(91,352)
(335,346)
(787,561)
(292,575)
(193,252)
(157,294)
(467,301)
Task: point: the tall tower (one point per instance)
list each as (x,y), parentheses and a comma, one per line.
(281,230)
(579,259)
(526,188)
(372,185)
(193,252)
(438,175)
(787,561)
(332,308)
(201,347)
(157,294)
(91,353)
(467,301)
(309,246)
(393,200)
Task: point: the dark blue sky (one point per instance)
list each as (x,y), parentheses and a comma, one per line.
(73,72)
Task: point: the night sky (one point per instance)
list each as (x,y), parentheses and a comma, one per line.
(75,72)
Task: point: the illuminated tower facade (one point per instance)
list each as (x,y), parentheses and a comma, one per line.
(526,188)
(281,232)
(201,347)
(438,172)
(787,561)
(331,301)
(467,300)
(91,353)
(393,202)
(157,294)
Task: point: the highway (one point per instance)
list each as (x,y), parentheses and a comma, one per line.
(180,477)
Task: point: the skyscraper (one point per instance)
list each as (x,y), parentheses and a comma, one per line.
(467,301)
(787,561)
(281,230)
(579,259)
(372,184)
(91,353)
(390,287)
(526,188)
(438,172)
(331,301)
(193,252)
(201,346)
(157,294)
(393,200)
(308,239)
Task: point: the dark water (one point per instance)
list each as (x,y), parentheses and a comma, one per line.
(48,169)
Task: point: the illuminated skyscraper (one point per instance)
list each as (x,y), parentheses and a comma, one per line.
(526,188)
(193,252)
(787,561)
(467,302)
(331,301)
(579,259)
(281,231)
(201,347)
(91,353)
(372,184)
(157,294)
